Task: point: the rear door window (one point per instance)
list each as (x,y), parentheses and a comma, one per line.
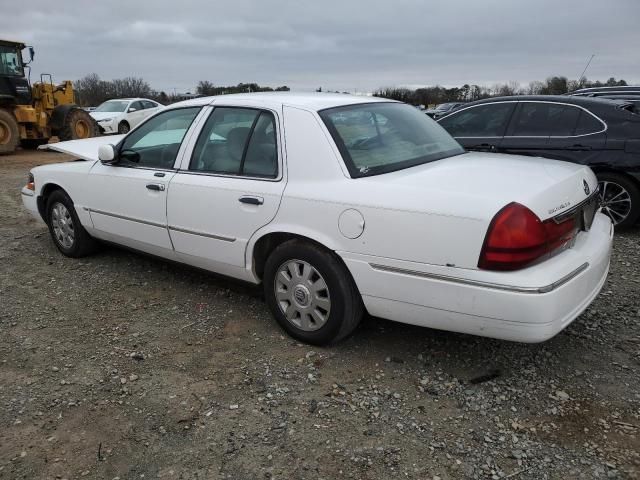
(538,119)
(587,124)
(488,120)
(237,141)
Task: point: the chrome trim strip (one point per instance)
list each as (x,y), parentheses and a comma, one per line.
(479,283)
(561,217)
(202,234)
(123,217)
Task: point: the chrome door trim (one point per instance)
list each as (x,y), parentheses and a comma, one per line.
(479,283)
(202,234)
(124,217)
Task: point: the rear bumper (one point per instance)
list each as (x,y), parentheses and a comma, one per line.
(531,305)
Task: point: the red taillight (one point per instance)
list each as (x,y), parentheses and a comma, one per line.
(517,237)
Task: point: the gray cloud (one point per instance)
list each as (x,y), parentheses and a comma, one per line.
(346,45)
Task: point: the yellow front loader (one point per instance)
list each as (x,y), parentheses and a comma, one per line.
(31,114)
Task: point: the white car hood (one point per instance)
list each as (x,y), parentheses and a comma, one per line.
(86,149)
(102,115)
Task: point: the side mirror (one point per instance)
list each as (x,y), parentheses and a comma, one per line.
(107,154)
(132,109)
(31,54)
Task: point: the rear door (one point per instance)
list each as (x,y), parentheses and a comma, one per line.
(480,127)
(530,127)
(229,187)
(554,130)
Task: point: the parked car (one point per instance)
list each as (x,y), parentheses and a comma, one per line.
(603,134)
(627,93)
(339,204)
(443,109)
(123,114)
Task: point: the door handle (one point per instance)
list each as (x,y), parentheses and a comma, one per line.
(251,200)
(578,147)
(156,187)
(486,147)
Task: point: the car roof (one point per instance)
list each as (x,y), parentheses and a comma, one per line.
(275,100)
(583,101)
(621,88)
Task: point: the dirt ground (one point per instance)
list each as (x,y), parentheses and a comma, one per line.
(124,366)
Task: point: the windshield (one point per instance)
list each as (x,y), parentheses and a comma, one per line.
(10,61)
(113,106)
(376,138)
(445,106)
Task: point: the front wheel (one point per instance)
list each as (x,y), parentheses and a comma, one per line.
(67,232)
(123,127)
(311,293)
(620,199)
(78,125)
(9,132)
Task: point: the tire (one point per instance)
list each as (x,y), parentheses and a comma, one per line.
(319,315)
(9,132)
(33,143)
(78,124)
(620,198)
(123,128)
(67,232)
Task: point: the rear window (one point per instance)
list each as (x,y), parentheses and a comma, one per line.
(376,138)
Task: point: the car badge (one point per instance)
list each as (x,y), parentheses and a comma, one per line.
(587,190)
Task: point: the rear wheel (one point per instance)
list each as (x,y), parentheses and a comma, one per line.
(9,132)
(78,124)
(311,293)
(66,230)
(620,199)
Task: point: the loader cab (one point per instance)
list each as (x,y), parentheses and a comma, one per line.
(14,87)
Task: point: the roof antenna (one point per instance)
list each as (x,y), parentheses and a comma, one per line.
(585,70)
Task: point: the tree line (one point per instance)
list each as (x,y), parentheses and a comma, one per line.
(91,90)
(556,85)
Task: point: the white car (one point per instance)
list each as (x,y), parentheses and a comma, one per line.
(337,205)
(123,114)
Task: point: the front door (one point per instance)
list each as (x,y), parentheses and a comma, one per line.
(229,187)
(128,200)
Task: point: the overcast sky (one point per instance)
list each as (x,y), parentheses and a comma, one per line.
(337,44)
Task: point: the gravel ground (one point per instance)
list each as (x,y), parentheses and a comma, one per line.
(124,366)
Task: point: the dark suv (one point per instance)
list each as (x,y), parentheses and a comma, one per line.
(603,134)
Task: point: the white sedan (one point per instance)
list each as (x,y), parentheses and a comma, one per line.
(123,114)
(340,205)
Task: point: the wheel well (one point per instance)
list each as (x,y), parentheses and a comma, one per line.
(47,190)
(267,244)
(123,121)
(634,180)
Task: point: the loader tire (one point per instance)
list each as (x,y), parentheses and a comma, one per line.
(78,124)
(9,133)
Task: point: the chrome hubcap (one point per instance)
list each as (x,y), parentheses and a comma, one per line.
(62,224)
(615,201)
(302,295)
